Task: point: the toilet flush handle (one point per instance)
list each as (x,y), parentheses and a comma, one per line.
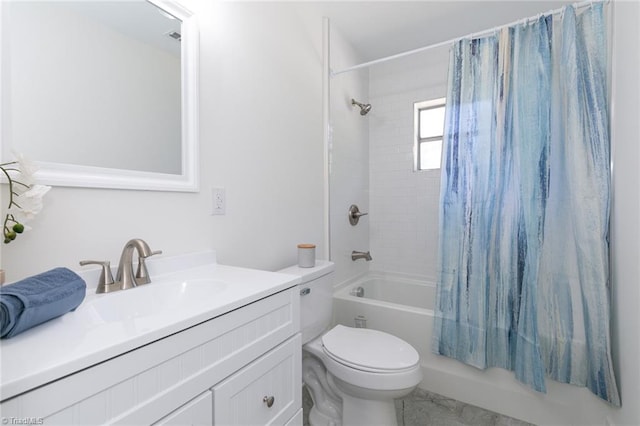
(305,291)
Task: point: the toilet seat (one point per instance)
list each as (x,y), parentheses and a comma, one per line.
(369,350)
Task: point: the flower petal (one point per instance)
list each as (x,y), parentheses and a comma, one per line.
(27,167)
(36,191)
(30,203)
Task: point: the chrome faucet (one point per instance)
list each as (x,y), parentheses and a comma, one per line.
(355,255)
(125,276)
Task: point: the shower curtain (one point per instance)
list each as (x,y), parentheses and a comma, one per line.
(524,208)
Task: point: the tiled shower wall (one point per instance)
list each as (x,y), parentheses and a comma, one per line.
(403,203)
(348,162)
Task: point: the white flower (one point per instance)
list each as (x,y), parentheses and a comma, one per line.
(29,203)
(27,169)
(25,198)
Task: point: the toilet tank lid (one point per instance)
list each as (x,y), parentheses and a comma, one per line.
(322,267)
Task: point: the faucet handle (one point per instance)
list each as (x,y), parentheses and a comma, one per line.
(355,214)
(142,275)
(154,253)
(106,277)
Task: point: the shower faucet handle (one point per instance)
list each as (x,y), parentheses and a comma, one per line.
(354,214)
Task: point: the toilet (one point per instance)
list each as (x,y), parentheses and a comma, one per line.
(352,374)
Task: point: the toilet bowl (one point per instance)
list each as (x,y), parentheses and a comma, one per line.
(368,369)
(352,374)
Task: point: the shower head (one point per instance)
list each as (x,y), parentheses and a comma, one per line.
(364,108)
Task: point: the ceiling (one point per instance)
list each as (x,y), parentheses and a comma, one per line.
(381,28)
(375,29)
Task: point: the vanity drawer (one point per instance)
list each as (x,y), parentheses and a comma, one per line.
(266,392)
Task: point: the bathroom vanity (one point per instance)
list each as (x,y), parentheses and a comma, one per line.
(202,344)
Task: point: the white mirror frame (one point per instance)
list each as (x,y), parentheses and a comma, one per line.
(56,174)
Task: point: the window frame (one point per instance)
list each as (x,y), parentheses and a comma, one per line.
(417,140)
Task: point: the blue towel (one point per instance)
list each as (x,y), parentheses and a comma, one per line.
(34,300)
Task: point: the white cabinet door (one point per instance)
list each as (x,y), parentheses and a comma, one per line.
(198,411)
(266,392)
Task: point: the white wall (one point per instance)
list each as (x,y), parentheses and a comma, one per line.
(404,203)
(261,139)
(262,130)
(625,214)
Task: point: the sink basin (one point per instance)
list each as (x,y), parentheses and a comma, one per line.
(150,300)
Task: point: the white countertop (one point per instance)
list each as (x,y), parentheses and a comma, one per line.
(107,325)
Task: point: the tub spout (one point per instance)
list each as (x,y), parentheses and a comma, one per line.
(355,255)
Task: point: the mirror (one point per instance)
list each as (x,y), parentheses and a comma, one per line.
(101,93)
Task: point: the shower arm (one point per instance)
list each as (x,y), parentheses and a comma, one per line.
(364,108)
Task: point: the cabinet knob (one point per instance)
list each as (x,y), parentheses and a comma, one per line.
(269,400)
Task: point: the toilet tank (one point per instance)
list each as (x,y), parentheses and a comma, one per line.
(316,297)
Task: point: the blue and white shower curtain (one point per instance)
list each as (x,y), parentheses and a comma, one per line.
(524,209)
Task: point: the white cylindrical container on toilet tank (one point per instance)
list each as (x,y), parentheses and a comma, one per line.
(306,255)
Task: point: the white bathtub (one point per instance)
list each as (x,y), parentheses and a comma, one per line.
(402,292)
(404,307)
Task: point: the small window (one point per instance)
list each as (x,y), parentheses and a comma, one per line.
(428,119)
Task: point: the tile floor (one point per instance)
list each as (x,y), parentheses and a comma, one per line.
(422,408)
